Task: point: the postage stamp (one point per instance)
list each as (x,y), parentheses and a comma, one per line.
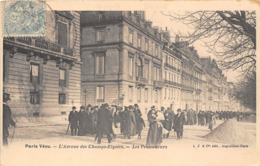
(24,18)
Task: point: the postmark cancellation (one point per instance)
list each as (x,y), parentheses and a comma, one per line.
(24,18)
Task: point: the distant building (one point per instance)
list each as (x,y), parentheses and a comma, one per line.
(122,59)
(43,74)
(172,69)
(216,88)
(126,61)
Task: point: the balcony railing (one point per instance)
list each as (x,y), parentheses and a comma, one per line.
(171,51)
(187,87)
(170,66)
(43,44)
(141,82)
(158,84)
(198,91)
(173,83)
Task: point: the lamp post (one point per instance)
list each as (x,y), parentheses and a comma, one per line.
(122,98)
(85,94)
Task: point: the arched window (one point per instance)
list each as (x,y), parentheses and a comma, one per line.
(139,67)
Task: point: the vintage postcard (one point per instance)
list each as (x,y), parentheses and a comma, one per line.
(129,83)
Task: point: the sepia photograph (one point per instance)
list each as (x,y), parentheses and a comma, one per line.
(127,79)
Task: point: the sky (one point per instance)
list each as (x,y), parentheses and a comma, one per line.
(162,21)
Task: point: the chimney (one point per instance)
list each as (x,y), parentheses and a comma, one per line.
(177,39)
(149,23)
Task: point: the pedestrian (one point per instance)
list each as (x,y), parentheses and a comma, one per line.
(89,120)
(150,114)
(140,125)
(73,120)
(117,119)
(7,118)
(210,118)
(178,123)
(123,123)
(82,121)
(104,123)
(155,131)
(168,121)
(95,120)
(130,123)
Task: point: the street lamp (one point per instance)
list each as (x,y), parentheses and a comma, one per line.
(122,99)
(85,94)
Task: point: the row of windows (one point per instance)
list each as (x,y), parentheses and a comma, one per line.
(172,77)
(187,96)
(139,95)
(35,75)
(142,69)
(171,93)
(154,47)
(171,61)
(35,98)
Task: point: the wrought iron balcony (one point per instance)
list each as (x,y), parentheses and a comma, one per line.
(41,44)
(170,66)
(141,82)
(157,85)
(198,91)
(187,87)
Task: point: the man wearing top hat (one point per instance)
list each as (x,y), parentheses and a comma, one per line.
(178,123)
(73,119)
(104,122)
(7,118)
(82,121)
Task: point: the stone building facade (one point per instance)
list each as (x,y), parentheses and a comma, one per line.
(216,86)
(127,61)
(43,74)
(172,71)
(122,59)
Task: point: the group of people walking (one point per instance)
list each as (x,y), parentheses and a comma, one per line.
(113,120)
(107,120)
(128,121)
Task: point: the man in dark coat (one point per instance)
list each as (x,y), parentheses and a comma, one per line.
(123,124)
(95,120)
(104,123)
(73,120)
(168,120)
(82,121)
(139,121)
(178,123)
(7,118)
(150,113)
(89,120)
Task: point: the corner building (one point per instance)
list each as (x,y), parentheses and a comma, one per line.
(122,59)
(43,74)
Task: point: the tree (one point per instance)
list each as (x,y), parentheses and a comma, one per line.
(245,91)
(229,35)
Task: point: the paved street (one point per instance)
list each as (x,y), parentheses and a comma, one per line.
(55,135)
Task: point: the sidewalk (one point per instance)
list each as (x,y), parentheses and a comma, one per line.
(41,121)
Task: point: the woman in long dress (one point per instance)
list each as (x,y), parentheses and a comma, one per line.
(116,122)
(155,132)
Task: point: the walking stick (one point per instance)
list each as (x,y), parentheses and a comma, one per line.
(68,128)
(13,132)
